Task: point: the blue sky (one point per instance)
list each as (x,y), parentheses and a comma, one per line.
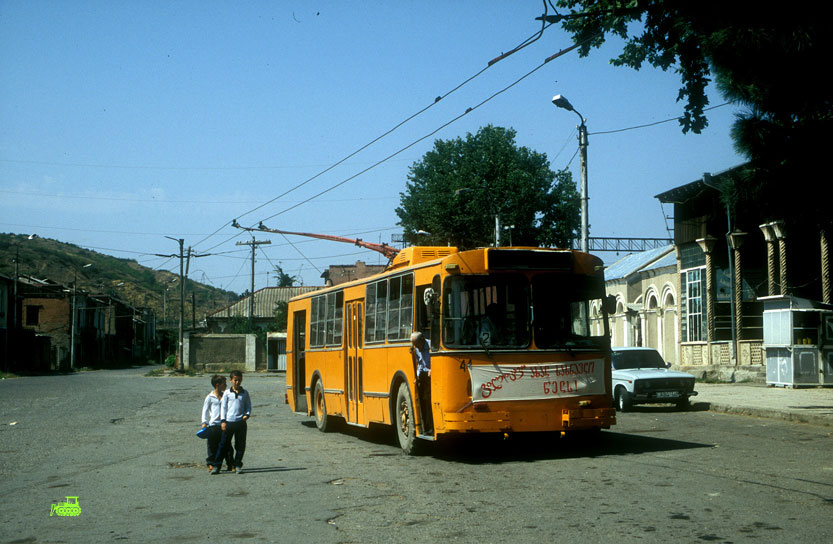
(124,122)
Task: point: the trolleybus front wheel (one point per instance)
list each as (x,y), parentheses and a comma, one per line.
(405,426)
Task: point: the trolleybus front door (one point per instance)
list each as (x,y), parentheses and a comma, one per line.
(353,372)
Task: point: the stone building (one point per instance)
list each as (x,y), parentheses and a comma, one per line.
(729,262)
(342,273)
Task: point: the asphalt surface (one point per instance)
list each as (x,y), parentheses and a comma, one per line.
(124,444)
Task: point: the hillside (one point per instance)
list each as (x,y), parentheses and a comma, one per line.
(126,279)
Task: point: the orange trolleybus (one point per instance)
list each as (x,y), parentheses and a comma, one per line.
(518,340)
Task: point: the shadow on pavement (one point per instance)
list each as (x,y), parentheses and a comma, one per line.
(541,446)
(495,448)
(269,469)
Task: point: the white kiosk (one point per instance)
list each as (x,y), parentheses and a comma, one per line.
(798,340)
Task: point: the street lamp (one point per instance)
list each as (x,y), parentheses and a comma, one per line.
(562,102)
(509,229)
(73,310)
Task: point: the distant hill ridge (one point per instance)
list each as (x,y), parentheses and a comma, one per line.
(138,285)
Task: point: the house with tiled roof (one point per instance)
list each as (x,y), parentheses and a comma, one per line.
(265,302)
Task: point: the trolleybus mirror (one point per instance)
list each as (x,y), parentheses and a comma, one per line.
(610,304)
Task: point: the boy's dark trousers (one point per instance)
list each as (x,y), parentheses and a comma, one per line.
(215,445)
(236,430)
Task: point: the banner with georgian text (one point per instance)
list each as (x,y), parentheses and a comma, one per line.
(537,381)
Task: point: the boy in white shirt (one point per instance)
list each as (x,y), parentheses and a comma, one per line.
(235,409)
(215,442)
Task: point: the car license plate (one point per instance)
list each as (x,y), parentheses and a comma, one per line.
(666,394)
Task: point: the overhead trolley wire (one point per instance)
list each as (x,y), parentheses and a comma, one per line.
(528,41)
(438,129)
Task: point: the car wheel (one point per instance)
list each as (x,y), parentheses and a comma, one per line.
(624,400)
(683,404)
(322,421)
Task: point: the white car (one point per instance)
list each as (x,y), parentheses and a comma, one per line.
(640,376)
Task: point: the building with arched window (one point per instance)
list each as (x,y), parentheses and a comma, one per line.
(645,287)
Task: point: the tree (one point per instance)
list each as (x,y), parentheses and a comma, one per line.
(280,313)
(284,279)
(768,60)
(457,188)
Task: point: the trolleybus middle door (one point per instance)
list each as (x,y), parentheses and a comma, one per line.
(353,374)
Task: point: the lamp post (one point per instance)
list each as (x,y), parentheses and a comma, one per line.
(562,102)
(73,311)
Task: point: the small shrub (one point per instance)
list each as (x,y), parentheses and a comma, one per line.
(170,360)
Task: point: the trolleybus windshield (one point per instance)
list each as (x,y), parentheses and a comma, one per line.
(561,309)
(486,311)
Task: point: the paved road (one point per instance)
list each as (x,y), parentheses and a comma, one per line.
(123,443)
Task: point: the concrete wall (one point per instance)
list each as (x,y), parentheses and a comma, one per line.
(219,352)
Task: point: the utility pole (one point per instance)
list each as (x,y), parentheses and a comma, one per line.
(181,304)
(254,243)
(72,312)
(182,274)
(180,351)
(12,328)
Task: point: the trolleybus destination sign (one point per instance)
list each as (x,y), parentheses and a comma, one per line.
(537,381)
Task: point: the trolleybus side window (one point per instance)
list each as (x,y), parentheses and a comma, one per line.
(315,322)
(389,309)
(400,307)
(327,319)
(376,300)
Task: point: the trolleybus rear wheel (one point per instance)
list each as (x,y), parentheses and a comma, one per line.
(320,407)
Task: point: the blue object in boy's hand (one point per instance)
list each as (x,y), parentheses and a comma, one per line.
(202,433)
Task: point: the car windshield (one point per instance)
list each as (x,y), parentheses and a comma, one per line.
(638,358)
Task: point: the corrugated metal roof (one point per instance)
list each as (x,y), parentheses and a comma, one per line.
(265,301)
(634,262)
(668,260)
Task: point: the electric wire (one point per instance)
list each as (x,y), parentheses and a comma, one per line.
(523,44)
(439,98)
(426,136)
(652,124)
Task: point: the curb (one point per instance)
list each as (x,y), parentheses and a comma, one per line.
(769,414)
